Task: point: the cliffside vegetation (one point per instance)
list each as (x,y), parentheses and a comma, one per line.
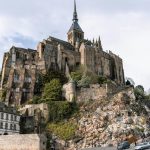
(84,77)
(52,91)
(62,119)
(64,130)
(60,110)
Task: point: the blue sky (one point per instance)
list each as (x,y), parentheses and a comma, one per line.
(124,27)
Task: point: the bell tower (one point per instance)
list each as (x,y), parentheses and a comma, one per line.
(75,33)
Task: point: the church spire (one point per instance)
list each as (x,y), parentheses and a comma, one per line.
(75,15)
(75,33)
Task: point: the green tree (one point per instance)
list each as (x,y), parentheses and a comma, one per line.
(76,76)
(102,80)
(54,75)
(52,91)
(84,82)
(59,110)
(139,92)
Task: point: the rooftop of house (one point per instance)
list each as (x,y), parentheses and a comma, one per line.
(8,109)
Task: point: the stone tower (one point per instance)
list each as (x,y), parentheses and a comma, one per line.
(75,33)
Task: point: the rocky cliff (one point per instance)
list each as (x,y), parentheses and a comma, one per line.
(109,120)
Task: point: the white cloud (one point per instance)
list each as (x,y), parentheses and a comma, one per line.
(122,25)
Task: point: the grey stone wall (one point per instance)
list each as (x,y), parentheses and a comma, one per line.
(31,109)
(53,54)
(94,92)
(23,142)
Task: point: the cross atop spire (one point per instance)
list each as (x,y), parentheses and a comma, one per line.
(75,15)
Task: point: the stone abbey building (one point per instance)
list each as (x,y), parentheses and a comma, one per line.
(21,66)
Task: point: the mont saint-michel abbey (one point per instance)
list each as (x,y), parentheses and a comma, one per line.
(21,67)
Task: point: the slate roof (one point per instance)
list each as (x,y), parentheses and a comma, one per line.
(8,109)
(75,26)
(67,45)
(25,50)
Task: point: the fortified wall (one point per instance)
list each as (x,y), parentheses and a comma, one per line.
(22,68)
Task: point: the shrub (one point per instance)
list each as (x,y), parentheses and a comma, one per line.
(59,110)
(139,92)
(54,75)
(64,130)
(76,76)
(102,80)
(52,91)
(84,82)
(35,100)
(3,93)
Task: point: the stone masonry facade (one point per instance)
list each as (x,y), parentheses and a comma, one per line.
(21,67)
(23,142)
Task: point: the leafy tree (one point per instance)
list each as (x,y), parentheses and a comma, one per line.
(59,110)
(35,100)
(84,82)
(52,91)
(54,75)
(3,94)
(76,76)
(102,80)
(139,92)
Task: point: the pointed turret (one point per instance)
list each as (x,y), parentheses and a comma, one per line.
(100,44)
(75,32)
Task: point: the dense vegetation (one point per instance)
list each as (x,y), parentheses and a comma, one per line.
(84,77)
(50,86)
(52,91)
(64,130)
(61,110)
